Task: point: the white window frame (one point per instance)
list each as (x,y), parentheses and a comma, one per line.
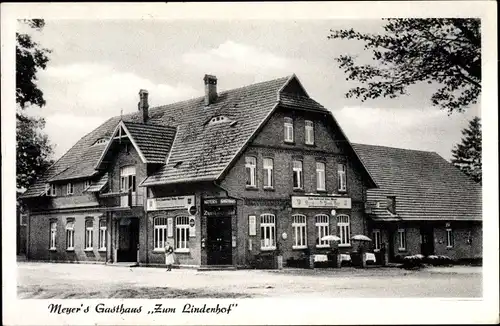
(344,230)
(50,189)
(401,239)
(268,166)
(322,222)
(22,219)
(309,132)
(182,234)
(299,171)
(86,184)
(53,235)
(267,232)
(299,226)
(377,239)
(70,188)
(288,128)
(160,228)
(103,230)
(251,166)
(450,240)
(342,179)
(125,173)
(89,234)
(70,235)
(320,176)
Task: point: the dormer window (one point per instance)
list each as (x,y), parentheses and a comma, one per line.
(101,141)
(50,189)
(391,204)
(177,164)
(219,119)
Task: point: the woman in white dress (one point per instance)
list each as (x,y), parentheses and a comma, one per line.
(169,256)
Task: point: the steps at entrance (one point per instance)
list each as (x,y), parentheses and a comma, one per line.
(216,268)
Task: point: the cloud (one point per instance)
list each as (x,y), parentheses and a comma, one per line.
(237,57)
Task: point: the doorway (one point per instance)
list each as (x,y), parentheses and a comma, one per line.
(219,239)
(128,239)
(427,240)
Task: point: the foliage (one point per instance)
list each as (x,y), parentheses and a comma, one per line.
(467,154)
(413,262)
(33,148)
(411,51)
(438,260)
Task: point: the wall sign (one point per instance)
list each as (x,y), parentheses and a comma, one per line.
(167,203)
(192,210)
(252,225)
(192,227)
(219,201)
(321,202)
(170,227)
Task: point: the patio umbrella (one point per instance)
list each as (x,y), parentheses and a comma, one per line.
(361,237)
(330,238)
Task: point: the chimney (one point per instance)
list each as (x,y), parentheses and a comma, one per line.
(210,89)
(144,105)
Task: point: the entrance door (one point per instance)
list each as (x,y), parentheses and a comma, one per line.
(128,239)
(427,240)
(219,250)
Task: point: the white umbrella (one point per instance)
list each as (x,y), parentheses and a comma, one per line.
(361,237)
(330,238)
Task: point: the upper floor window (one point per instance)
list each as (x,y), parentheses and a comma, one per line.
(309,133)
(86,184)
(70,189)
(391,204)
(267,232)
(250,166)
(182,233)
(50,189)
(127,179)
(297,175)
(320,176)
(323,229)
(268,172)
(288,130)
(299,231)
(341,172)
(344,230)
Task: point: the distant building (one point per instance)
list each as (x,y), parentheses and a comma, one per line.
(231,178)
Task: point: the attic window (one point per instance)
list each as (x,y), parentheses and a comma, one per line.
(391,204)
(177,164)
(219,119)
(101,141)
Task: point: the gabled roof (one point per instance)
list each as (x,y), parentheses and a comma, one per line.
(426,186)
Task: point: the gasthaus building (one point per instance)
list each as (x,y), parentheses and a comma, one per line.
(228,178)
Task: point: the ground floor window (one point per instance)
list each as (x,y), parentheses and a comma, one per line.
(267,232)
(323,229)
(376,239)
(160,232)
(182,233)
(344,230)
(70,235)
(102,234)
(89,234)
(53,235)
(450,242)
(401,239)
(299,231)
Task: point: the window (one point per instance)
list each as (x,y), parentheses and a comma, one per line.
(323,228)
(289,130)
(182,233)
(103,228)
(342,177)
(53,235)
(450,241)
(401,239)
(309,133)
(218,119)
(23,219)
(70,189)
(297,174)
(376,239)
(101,141)
(250,165)
(267,232)
(268,172)
(89,234)
(70,235)
(160,232)
(50,189)
(299,231)
(86,184)
(391,204)
(344,231)
(127,179)
(320,176)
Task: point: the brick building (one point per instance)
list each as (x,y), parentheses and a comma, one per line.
(227,178)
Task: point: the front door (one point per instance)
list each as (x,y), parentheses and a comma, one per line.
(219,250)
(427,240)
(128,239)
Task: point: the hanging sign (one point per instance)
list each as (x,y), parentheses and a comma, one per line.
(321,202)
(168,203)
(192,227)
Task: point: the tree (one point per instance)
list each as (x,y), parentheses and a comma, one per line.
(410,51)
(467,154)
(32,145)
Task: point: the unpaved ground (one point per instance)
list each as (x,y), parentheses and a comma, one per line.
(46,280)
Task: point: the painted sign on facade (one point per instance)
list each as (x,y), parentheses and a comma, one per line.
(321,202)
(169,203)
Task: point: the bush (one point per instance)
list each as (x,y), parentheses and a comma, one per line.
(439,260)
(413,262)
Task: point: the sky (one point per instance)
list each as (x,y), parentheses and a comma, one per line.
(97,68)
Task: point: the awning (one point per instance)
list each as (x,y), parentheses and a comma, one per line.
(99,185)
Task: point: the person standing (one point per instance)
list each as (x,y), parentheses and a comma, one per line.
(169,256)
